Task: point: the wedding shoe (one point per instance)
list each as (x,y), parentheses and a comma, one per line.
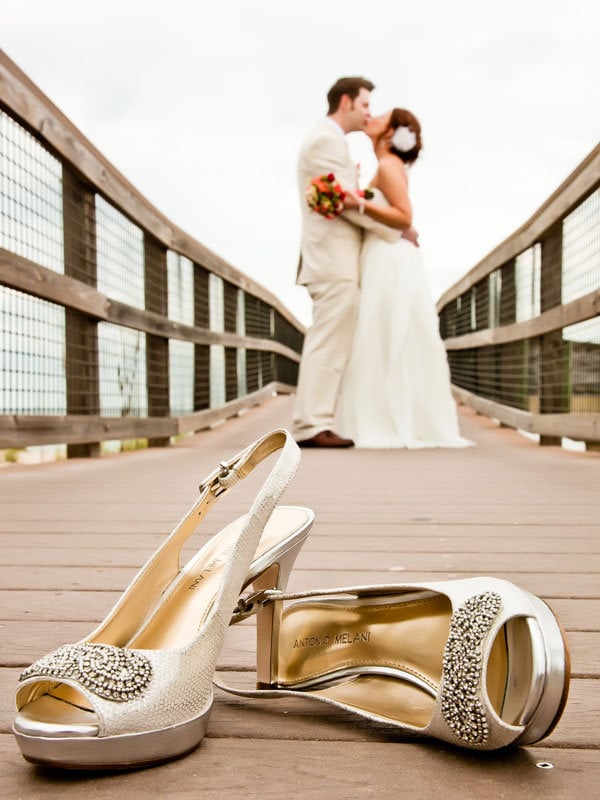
(476,662)
(138,690)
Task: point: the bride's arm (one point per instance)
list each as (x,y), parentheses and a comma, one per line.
(391,179)
(325,155)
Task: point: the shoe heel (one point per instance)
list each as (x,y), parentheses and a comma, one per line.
(269,617)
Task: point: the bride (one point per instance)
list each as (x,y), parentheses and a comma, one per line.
(396,389)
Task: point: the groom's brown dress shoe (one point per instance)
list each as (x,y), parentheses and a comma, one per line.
(325,439)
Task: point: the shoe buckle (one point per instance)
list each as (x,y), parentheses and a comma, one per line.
(214,481)
(252,603)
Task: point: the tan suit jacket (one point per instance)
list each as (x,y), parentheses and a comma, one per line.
(330,248)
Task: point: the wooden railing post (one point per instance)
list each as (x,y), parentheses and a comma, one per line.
(157,347)
(81,331)
(553,371)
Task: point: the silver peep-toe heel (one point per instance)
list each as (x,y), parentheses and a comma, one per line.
(138,690)
(478,662)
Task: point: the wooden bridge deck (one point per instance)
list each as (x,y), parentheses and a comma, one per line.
(73,533)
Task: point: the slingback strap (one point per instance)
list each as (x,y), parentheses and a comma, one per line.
(252,603)
(228,475)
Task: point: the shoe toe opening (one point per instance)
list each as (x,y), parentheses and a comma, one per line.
(53,716)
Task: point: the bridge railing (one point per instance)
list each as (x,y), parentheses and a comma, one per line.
(114,323)
(522,328)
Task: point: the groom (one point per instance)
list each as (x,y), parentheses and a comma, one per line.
(329,265)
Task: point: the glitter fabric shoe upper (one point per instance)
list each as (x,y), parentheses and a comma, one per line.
(109,672)
(463,665)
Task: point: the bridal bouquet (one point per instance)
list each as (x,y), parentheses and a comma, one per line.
(325,196)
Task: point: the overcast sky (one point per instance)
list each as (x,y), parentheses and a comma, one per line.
(203,106)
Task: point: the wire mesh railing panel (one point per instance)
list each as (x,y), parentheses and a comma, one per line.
(217,375)
(259,320)
(230,307)
(231,374)
(582,343)
(287,370)
(31,202)
(458,318)
(240,328)
(495,298)
(122,368)
(32,358)
(180,271)
(527,283)
(253,370)
(181,377)
(120,253)
(581,249)
(286,333)
(217,352)
(216,303)
(506,374)
(242,371)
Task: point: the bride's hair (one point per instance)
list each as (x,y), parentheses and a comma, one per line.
(401,117)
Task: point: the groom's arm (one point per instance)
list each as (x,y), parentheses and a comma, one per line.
(325,156)
(369,224)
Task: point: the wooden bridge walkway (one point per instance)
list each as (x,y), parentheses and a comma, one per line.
(73,533)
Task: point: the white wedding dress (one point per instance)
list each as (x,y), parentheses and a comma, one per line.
(396,389)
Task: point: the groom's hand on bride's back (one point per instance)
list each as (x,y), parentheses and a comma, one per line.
(412,235)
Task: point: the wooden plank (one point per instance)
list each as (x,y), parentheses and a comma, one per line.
(17,511)
(135,544)
(240,718)
(227,769)
(55,606)
(445,561)
(580,615)
(115,578)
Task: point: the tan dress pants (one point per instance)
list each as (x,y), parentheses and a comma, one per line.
(324,356)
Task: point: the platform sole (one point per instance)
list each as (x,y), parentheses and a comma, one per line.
(126,751)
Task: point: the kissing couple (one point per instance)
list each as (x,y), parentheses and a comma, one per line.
(373,364)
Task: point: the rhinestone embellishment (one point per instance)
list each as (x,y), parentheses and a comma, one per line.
(110,672)
(463,665)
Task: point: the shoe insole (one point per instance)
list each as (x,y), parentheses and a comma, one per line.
(384,658)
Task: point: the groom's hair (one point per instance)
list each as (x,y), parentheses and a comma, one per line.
(349,86)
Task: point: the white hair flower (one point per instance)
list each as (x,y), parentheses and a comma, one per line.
(404,139)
